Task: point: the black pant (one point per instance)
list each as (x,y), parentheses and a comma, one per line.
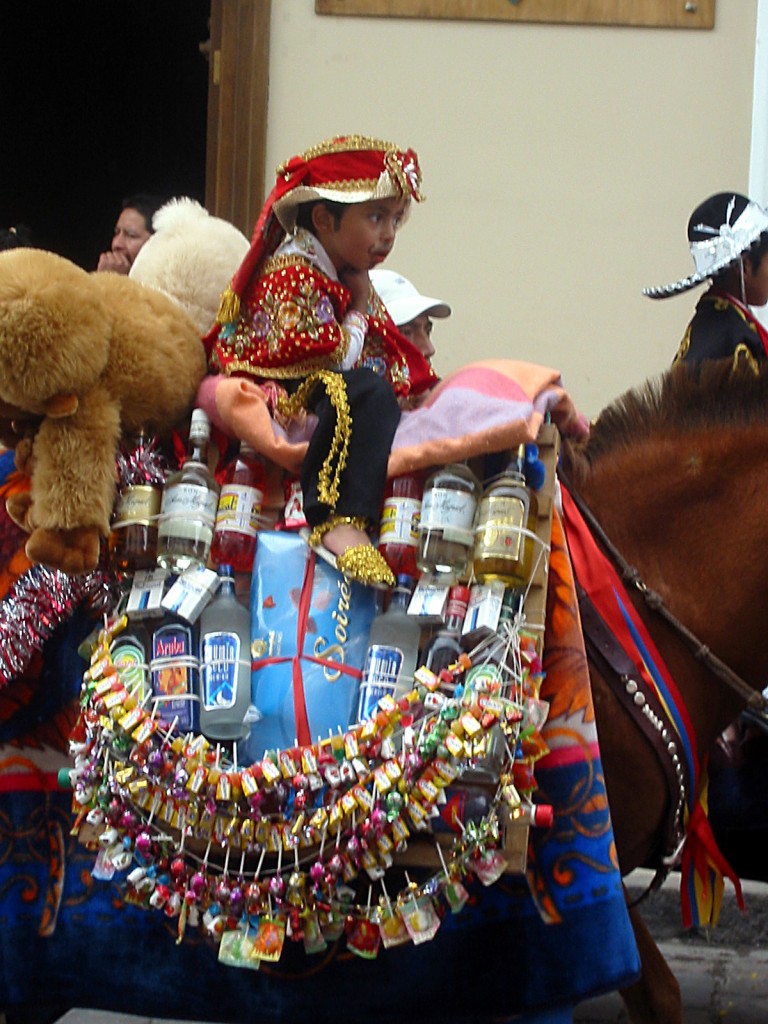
(375,414)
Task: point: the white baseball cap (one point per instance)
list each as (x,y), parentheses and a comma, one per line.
(403,300)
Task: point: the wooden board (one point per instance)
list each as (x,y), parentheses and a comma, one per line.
(421,852)
(637,13)
(548,441)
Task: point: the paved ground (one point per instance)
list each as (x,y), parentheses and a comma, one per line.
(720,985)
(723,977)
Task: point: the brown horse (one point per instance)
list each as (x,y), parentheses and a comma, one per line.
(676,473)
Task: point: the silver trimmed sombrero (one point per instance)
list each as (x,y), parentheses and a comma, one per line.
(721,246)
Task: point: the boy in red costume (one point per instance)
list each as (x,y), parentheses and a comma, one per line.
(302,318)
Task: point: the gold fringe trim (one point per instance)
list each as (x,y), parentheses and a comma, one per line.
(336,459)
(358,522)
(229,306)
(339,144)
(364,564)
(361,563)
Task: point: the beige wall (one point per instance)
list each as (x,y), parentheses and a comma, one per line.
(560,164)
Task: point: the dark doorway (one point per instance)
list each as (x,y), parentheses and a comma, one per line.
(99,99)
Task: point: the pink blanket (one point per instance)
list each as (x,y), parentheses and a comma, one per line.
(484,407)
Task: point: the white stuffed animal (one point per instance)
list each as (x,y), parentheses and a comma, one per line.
(191,257)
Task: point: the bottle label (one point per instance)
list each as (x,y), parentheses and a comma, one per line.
(451,511)
(238,510)
(501,521)
(137,505)
(174,674)
(219,665)
(383,666)
(130,660)
(189,511)
(456,609)
(190,501)
(400,521)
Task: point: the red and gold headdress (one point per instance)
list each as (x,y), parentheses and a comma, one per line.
(346,169)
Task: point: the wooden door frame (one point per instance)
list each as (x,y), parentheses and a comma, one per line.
(238,95)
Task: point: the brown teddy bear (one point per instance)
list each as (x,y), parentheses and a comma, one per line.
(84,359)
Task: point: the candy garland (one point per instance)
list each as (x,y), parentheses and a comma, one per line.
(40,601)
(257,854)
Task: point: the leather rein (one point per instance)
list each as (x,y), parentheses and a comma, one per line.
(638,698)
(752,698)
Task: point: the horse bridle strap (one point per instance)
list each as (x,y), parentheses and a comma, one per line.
(654,601)
(646,711)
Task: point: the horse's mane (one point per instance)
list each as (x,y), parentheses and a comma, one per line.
(682,400)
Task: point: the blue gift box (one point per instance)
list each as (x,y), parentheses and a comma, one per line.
(309,636)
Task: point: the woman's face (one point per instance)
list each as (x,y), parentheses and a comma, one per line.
(130,233)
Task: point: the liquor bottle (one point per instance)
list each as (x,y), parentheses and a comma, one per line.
(225,665)
(237,515)
(188,509)
(399,525)
(445,646)
(133,531)
(504,534)
(447,515)
(130,651)
(174,673)
(393,649)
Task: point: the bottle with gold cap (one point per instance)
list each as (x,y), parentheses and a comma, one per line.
(505,528)
(133,530)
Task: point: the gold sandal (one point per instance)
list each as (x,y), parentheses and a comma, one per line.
(365,564)
(361,564)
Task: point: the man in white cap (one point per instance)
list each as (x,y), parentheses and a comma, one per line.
(411,311)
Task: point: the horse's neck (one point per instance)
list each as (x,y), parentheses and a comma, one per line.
(690,517)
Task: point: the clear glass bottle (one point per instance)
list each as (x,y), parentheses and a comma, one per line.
(399,524)
(188,508)
(133,531)
(225,665)
(393,650)
(445,646)
(506,519)
(447,516)
(238,511)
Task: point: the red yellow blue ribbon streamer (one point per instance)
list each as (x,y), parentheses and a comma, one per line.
(703,866)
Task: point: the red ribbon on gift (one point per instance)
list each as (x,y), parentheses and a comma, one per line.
(303,734)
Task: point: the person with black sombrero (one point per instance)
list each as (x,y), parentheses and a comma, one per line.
(728,239)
